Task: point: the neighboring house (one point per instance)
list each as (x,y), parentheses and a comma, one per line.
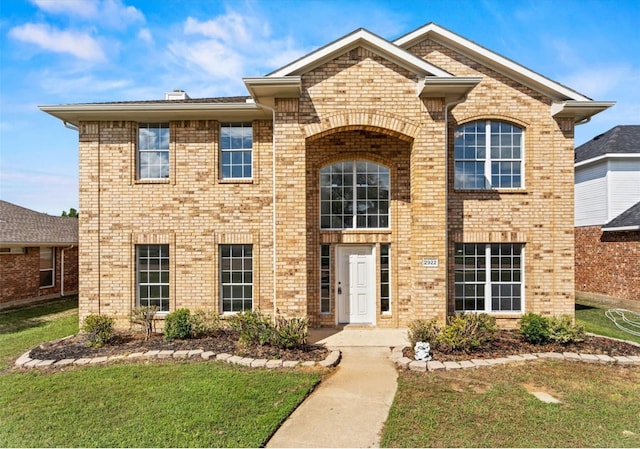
(607,216)
(370,182)
(38,256)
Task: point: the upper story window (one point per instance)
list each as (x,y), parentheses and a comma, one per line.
(488,155)
(236,148)
(354,194)
(153,151)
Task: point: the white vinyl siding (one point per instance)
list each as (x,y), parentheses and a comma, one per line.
(624,185)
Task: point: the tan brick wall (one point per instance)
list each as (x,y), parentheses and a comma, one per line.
(608,263)
(356,106)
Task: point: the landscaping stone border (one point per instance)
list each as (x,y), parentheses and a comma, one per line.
(332,360)
(433,365)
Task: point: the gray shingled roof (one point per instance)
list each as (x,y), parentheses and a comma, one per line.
(236,99)
(21,226)
(628,218)
(620,139)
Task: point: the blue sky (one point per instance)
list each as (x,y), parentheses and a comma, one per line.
(76,51)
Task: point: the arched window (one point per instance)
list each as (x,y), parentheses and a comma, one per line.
(354,194)
(488,155)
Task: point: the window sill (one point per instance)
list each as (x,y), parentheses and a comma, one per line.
(153,181)
(236,181)
(358,231)
(493,191)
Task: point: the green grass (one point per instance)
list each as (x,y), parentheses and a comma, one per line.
(491,407)
(23,329)
(167,404)
(592,314)
(163,404)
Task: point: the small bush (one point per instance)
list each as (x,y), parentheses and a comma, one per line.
(467,331)
(290,333)
(535,328)
(144,317)
(423,330)
(563,330)
(177,325)
(254,328)
(99,329)
(205,323)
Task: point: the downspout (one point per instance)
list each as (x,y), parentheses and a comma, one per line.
(273,203)
(447,107)
(62,269)
(70,126)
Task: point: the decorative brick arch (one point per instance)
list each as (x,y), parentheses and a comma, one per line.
(369,120)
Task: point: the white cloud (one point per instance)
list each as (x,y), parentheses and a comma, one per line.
(110,13)
(600,83)
(80,45)
(145,35)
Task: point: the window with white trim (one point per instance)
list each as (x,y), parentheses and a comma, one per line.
(354,195)
(385,277)
(153,151)
(489,277)
(488,155)
(47,266)
(325,279)
(236,277)
(152,271)
(236,150)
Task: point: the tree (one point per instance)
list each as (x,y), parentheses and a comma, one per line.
(71,214)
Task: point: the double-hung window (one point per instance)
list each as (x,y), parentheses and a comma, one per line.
(236,277)
(236,148)
(488,155)
(153,276)
(153,151)
(489,277)
(47,266)
(354,195)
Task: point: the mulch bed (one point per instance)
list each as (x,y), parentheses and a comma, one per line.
(128,343)
(509,342)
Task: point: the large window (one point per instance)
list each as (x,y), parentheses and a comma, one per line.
(47,266)
(236,147)
(153,150)
(153,276)
(236,277)
(354,194)
(488,155)
(488,277)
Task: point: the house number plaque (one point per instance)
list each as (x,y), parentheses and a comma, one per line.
(430,262)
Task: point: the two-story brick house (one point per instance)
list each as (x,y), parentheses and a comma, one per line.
(369,182)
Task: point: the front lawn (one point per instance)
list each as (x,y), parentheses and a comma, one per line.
(491,407)
(592,314)
(160,404)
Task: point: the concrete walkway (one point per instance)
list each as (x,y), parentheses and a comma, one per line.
(350,407)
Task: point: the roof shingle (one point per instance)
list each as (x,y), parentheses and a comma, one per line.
(21,226)
(620,139)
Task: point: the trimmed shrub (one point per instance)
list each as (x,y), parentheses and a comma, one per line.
(253,327)
(423,330)
(177,325)
(467,331)
(205,323)
(563,330)
(290,333)
(99,329)
(144,317)
(535,328)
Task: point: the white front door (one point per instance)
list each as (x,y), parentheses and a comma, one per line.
(356,289)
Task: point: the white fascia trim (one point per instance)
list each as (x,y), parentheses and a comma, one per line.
(622,228)
(475,51)
(365,39)
(607,156)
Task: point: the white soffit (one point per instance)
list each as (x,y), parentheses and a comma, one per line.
(368,40)
(493,60)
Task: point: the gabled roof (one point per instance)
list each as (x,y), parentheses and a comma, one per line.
(629,220)
(619,140)
(24,227)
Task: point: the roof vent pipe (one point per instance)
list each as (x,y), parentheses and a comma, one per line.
(176,94)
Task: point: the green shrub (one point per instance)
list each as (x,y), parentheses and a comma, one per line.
(177,325)
(290,333)
(535,328)
(466,331)
(205,323)
(144,317)
(253,327)
(99,329)
(423,330)
(563,330)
